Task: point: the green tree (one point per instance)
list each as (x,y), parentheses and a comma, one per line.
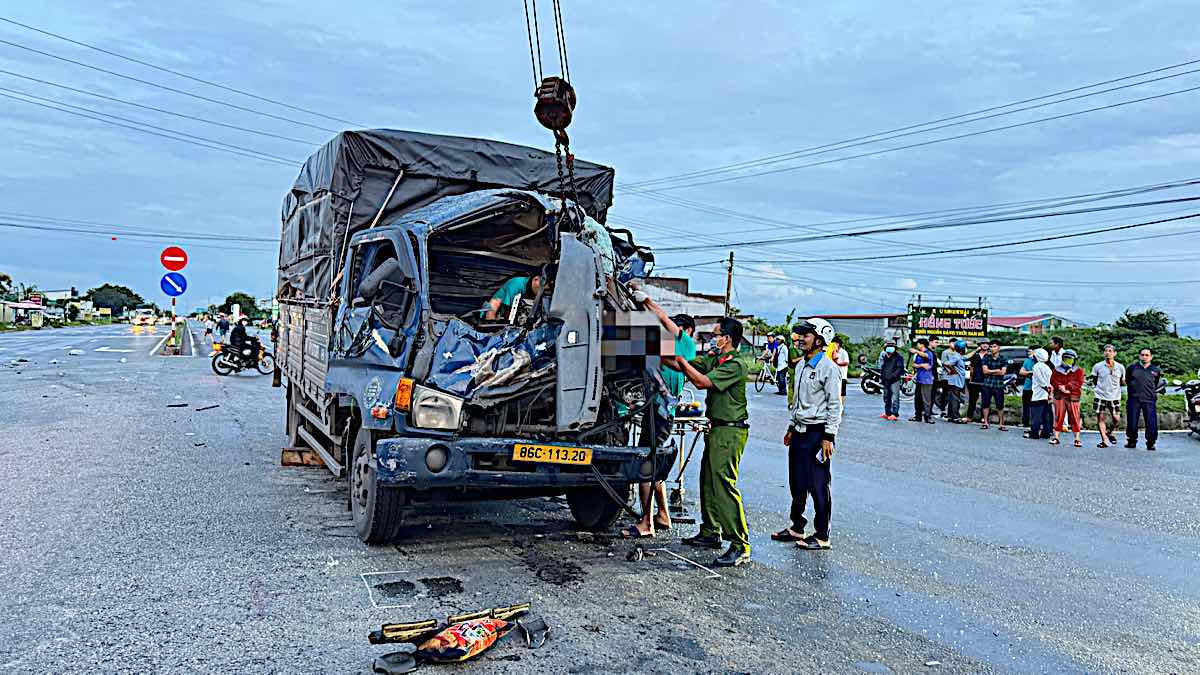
(114,297)
(245,301)
(5,284)
(72,312)
(1152,321)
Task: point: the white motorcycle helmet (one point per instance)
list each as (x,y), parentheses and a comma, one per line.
(821,327)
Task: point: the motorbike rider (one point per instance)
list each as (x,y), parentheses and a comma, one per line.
(241,342)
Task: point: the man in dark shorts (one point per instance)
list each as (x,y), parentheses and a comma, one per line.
(975,385)
(994,368)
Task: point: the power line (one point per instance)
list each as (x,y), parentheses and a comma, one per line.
(108,233)
(110,228)
(165,87)
(179,136)
(981,247)
(927,226)
(1061,200)
(177,73)
(889,134)
(875,153)
(164,111)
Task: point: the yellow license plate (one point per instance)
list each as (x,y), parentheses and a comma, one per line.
(551,454)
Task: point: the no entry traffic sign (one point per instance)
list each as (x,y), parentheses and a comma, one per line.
(173,284)
(174,258)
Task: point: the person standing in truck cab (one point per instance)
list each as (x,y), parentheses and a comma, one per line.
(682,329)
(501,304)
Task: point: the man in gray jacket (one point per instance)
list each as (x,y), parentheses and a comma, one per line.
(811,435)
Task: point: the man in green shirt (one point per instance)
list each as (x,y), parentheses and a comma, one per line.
(505,296)
(683,328)
(795,356)
(723,377)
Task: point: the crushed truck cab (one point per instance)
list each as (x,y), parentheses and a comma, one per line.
(450,330)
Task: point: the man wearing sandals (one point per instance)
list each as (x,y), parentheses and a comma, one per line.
(811,435)
(994,368)
(1040,419)
(1067,383)
(1108,376)
(723,377)
(682,328)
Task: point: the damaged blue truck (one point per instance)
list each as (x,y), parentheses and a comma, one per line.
(400,380)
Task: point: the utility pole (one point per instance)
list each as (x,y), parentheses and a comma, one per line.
(729,284)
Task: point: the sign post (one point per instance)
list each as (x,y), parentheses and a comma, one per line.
(174,259)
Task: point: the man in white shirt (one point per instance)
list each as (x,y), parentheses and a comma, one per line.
(1041,425)
(837,352)
(1108,376)
(1056,350)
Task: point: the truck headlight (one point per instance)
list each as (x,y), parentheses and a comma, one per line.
(432,409)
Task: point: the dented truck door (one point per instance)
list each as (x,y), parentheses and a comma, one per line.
(576,302)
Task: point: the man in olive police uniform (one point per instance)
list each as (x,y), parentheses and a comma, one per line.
(723,377)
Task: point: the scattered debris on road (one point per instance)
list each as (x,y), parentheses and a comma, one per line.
(177,405)
(75,352)
(209,407)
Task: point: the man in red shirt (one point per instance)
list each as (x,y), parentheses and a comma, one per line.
(1067,383)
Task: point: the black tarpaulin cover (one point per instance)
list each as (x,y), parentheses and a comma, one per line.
(341,187)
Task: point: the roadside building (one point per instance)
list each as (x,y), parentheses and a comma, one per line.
(675,296)
(1036,324)
(859,327)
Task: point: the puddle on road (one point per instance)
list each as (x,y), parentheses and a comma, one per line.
(397,589)
(440,587)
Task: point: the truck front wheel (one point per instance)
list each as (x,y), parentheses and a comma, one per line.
(378,510)
(594,510)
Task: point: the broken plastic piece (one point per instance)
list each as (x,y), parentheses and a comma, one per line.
(209,407)
(535,631)
(75,352)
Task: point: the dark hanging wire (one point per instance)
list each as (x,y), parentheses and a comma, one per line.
(561,31)
(533,60)
(537,37)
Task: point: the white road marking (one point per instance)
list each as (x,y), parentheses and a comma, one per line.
(110,349)
(159,345)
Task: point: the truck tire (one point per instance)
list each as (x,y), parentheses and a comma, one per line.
(594,510)
(377,510)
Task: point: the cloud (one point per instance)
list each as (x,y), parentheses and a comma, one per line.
(906,283)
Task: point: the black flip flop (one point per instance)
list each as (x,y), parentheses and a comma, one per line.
(811,543)
(785,535)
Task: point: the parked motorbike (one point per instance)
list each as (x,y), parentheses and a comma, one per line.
(227,360)
(1012,385)
(871,383)
(1191,393)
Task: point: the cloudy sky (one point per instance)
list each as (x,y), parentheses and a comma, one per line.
(664,89)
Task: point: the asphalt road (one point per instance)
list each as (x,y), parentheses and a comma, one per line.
(143,534)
